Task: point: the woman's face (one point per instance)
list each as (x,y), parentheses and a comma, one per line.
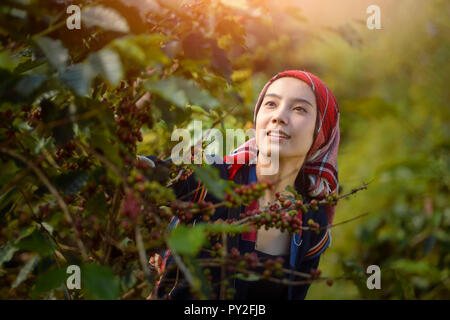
(286,119)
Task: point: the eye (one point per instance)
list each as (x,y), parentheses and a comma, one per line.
(300,108)
(270,103)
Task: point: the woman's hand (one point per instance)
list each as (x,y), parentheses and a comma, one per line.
(156,261)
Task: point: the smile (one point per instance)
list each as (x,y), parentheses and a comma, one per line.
(279,135)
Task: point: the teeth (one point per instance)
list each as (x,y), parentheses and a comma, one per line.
(277,135)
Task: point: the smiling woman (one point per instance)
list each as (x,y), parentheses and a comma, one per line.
(287,119)
(297,127)
(300,105)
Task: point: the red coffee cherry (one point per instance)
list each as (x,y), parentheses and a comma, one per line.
(287,203)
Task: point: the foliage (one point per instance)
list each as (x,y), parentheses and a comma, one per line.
(74,103)
(77,106)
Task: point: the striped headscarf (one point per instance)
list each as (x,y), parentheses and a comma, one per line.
(321,161)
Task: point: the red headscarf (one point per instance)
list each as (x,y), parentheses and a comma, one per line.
(321,161)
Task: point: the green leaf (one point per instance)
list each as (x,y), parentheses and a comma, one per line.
(180,91)
(220,63)
(47,281)
(167,112)
(36,242)
(100,138)
(198,109)
(9,172)
(106,18)
(99,282)
(62,135)
(186,240)
(209,175)
(143,50)
(196,46)
(107,63)
(79,78)
(28,84)
(28,65)
(197,95)
(170,90)
(97,204)
(72,182)
(162,124)
(57,55)
(124,243)
(7,252)
(25,271)
(201,285)
(8,199)
(128,280)
(129,49)
(25,232)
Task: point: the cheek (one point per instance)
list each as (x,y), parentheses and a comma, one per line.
(305,132)
(261,123)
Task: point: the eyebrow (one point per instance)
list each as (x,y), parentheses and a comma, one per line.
(292,100)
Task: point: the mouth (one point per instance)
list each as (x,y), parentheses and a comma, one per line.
(278,134)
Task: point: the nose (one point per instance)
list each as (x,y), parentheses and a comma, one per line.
(280,116)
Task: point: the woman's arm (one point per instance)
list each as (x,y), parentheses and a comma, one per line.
(186,190)
(182,189)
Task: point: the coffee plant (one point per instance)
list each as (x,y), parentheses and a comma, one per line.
(74,103)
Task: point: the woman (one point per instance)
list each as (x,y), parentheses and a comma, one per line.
(296,119)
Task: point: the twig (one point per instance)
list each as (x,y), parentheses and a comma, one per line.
(111,225)
(222,268)
(72,119)
(177,277)
(51,238)
(16,179)
(247,219)
(183,268)
(259,264)
(345,221)
(363,187)
(103,159)
(133,290)
(62,204)
(142,255)
(50,29)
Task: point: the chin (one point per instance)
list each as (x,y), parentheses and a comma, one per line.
(282,151)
